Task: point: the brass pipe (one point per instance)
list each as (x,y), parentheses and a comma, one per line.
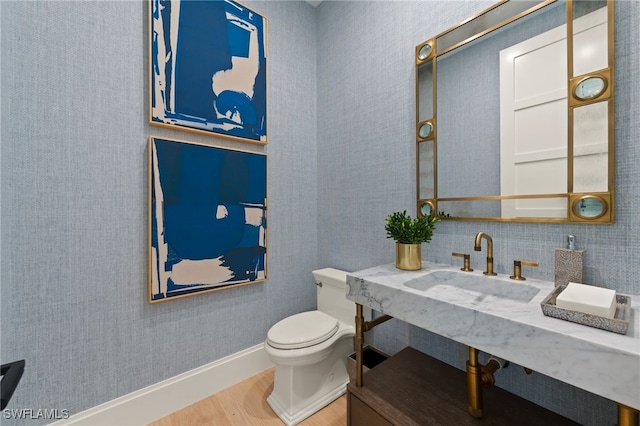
(359,343)
(627,416)
(368,325)
(474,384)
(488,370)
(361,327)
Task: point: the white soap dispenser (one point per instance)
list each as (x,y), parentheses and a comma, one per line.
(569,263)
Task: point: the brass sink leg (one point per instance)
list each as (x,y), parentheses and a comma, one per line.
(627,416)
(359,343)
(361,327)
(474,384)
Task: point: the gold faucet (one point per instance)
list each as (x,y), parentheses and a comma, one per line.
(478,246)
(517,269)
(467,261)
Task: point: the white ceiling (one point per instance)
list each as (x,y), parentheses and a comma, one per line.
(314,3)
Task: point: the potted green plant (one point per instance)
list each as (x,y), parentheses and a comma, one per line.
(409,235)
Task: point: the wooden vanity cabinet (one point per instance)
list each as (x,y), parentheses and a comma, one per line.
(411,388)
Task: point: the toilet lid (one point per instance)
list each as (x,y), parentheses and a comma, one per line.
(302,330)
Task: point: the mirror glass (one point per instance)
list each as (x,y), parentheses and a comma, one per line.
(590,87)
(509,143)
(589,207)
(427,161)
(591,148)
(425,130)
(426,209)
(424,52)
(590,36)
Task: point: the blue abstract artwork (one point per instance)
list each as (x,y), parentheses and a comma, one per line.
(208,218)
(208,68)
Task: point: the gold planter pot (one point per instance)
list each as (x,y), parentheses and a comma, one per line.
(408,256)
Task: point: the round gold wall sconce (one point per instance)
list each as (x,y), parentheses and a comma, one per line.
(427,208)
(590,88)
(424,52)
(590,207)
(426,130)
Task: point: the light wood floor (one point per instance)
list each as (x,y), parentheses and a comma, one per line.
(245,404)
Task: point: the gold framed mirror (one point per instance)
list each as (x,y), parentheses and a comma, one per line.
(515,114)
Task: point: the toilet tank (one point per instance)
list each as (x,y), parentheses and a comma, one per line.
(332,295)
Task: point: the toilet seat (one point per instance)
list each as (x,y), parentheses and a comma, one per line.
(302,330)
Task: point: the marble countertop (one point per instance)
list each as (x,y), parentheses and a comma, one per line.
(599,361)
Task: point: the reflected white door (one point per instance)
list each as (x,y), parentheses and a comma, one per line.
(533,121)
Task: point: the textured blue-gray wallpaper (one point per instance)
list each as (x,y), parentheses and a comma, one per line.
(366,170)
(341,157)
(74,204)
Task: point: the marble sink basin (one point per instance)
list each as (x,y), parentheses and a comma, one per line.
(473,286)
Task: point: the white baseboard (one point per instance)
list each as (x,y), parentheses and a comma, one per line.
(161,399)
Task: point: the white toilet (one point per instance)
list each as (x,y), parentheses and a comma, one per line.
(310,351)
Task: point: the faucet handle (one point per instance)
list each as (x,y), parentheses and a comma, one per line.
(517,269)
(467,261)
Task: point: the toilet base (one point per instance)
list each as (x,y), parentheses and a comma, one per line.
(300,391)
(292,419)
